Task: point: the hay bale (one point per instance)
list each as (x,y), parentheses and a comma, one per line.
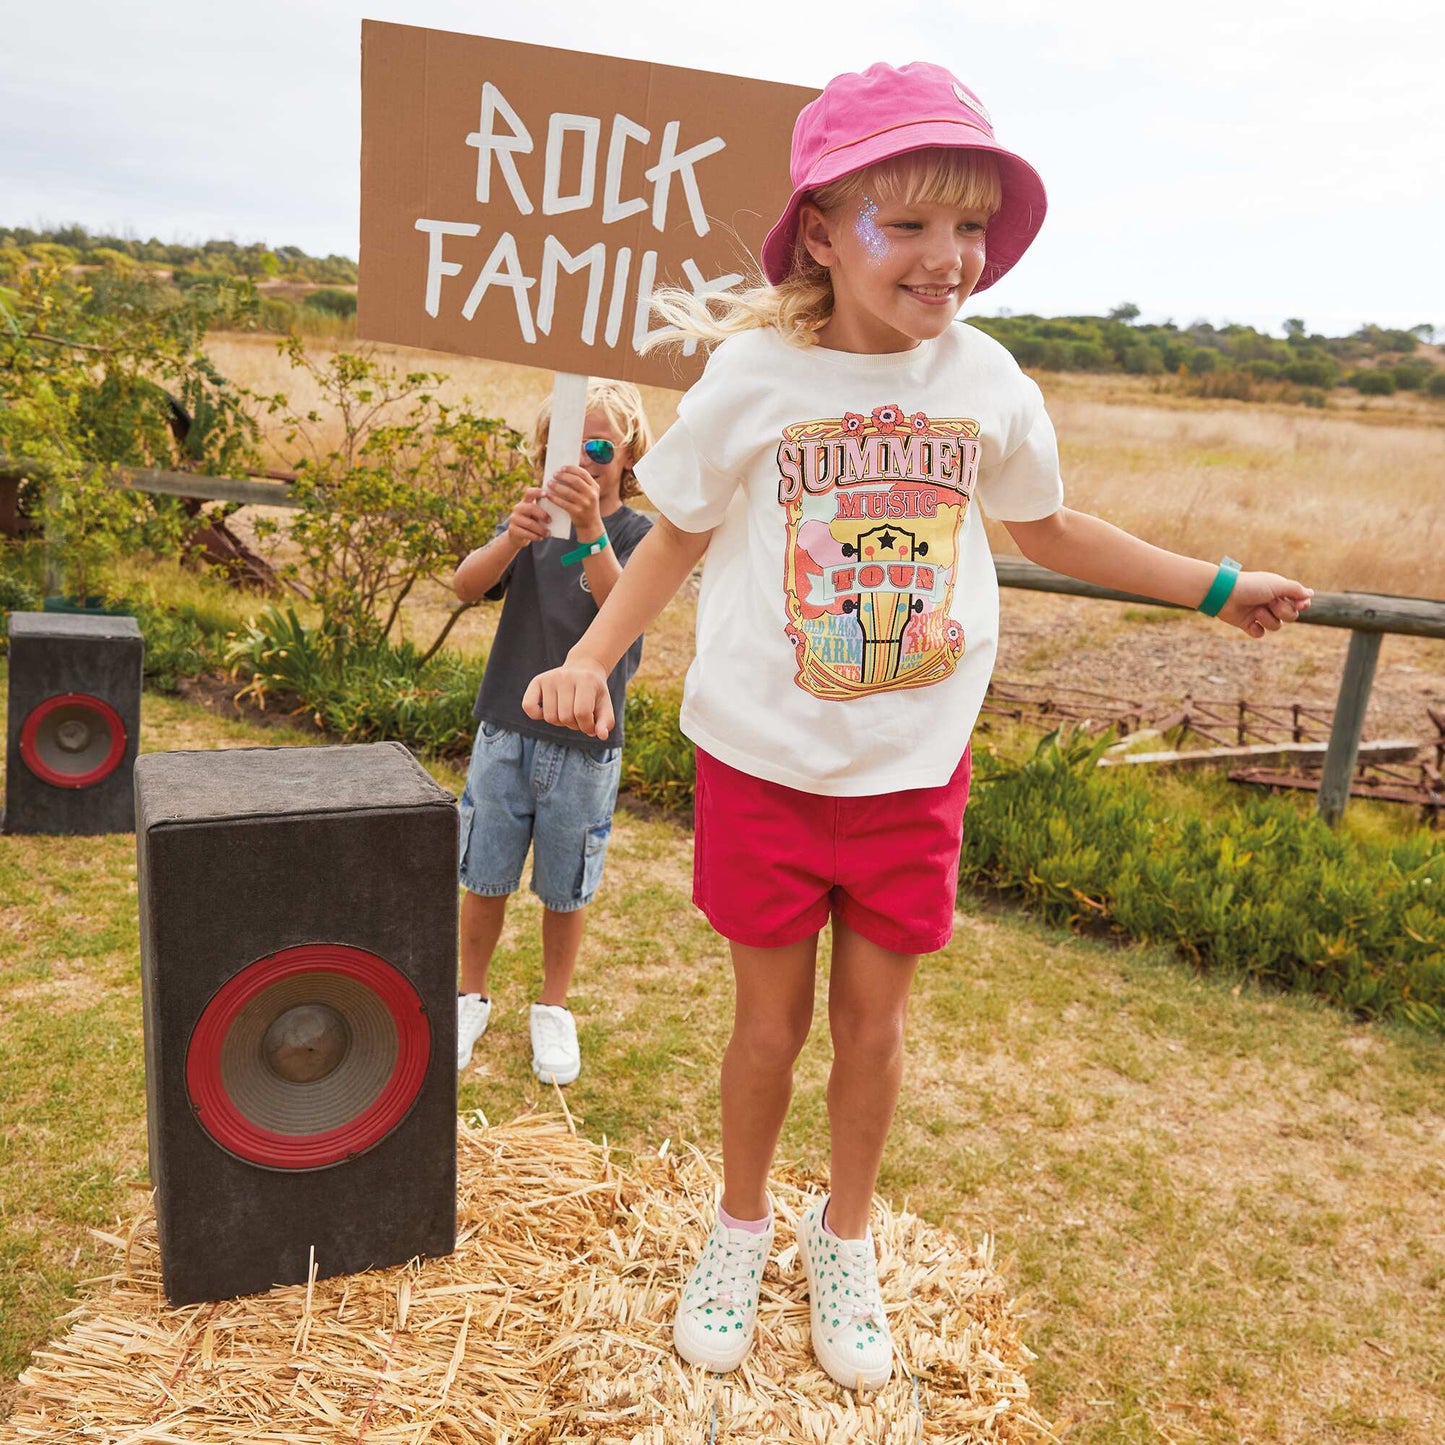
(551,1323)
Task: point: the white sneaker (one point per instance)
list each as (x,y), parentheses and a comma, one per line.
(718,1310)
(555,1056)
(473,1012)
(850,1330)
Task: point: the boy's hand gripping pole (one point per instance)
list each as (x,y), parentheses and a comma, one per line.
(564,438)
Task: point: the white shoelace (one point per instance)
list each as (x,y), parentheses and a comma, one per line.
(556,1038)
(859,1270)
(733,1284)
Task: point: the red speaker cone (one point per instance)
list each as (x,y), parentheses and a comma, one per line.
(308,1056)
(72,740)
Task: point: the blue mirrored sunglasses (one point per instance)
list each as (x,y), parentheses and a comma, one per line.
(599,450)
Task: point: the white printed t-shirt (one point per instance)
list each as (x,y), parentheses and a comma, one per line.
(848,616)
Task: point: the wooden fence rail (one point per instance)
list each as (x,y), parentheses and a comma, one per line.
(1367,616)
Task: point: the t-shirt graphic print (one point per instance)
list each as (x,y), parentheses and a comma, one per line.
(874,507)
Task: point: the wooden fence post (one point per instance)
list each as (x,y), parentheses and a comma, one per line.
(1344,746)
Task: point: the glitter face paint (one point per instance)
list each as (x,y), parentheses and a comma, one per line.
(869,235)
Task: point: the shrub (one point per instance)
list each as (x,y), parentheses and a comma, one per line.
(1374,383)
(1312,371)
(411,487)
(658,762)
(332,301)
(360,689)
(1143,360)
(16,595)
(1436,385)
(1264,891)
(1412,375)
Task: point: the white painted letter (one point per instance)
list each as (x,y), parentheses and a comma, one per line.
(671,162)
(621,266)
(436,268)
(504,268)
(646,283)
(554,255)
(614,208)
(483,138)
(590,129)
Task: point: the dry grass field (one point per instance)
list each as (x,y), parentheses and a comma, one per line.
(1347,499)
(1349,496)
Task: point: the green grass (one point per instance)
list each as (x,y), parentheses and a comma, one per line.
(1219,1208)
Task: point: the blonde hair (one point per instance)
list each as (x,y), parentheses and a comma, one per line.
(621,403)
(801,304)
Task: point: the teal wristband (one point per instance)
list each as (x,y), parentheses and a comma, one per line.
(1221,587)
(587,549)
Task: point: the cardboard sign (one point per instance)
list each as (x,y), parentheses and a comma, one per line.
(521,203)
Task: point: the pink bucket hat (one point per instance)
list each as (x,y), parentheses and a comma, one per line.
(860,120)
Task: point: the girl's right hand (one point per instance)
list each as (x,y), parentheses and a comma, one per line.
(572,696)
(529,521)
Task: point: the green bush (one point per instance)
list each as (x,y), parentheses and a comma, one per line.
(1264,891)
(1312,371)
(16,595)
(658,762)
(1412,375)
(1374,383)
(332,302)
(1436,385)
(360,688)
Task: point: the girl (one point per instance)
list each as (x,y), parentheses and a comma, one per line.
(830,464)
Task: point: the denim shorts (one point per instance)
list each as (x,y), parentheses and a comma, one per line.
(523,791)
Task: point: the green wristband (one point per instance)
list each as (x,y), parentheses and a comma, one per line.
(1221,587)
(587,549)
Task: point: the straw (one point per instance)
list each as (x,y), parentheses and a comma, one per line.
(550,1323)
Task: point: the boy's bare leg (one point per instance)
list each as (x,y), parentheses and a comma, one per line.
(867,1008)
(772,1012)
(561,942)
(481,926)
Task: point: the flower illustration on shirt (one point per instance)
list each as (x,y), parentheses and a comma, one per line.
(886,418)
(919,422)
(852,422)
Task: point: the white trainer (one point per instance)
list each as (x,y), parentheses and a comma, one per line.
(718,1311)
(555,1055)
(473,1014)
(850,1329)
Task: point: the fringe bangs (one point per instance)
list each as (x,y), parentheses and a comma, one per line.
(938,176)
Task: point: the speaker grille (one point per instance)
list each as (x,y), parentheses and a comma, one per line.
(308,1056)
(72,740)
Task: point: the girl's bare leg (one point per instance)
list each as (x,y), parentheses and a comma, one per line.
(771,1017)
(867,1007)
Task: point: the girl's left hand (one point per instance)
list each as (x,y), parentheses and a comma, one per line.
(576,492)
(1263,602)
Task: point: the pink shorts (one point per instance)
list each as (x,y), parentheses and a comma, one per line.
(770,864)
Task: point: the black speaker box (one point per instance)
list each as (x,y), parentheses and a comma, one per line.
(72,724)
(298,912)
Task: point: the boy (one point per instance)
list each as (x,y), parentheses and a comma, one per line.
(530,783)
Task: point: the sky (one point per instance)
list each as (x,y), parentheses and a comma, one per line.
(1244,160)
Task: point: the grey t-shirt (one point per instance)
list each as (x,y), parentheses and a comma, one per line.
(546,607)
